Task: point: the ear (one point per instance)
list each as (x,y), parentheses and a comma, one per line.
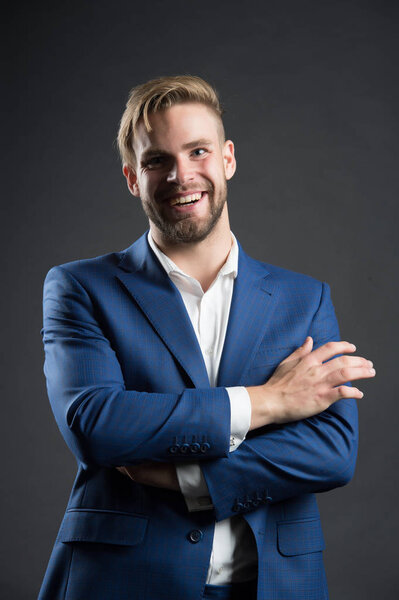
(229,160)
(131,180)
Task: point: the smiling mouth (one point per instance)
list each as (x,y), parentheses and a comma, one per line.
(188,199)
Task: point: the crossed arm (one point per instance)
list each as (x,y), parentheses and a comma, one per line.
(312,443)
(305,384)
(303,406)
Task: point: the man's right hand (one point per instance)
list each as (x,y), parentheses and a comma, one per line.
(304,384)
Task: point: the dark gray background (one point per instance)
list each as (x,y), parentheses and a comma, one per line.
(311,97)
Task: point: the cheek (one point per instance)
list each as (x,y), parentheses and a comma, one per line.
(147,186)
(214,172)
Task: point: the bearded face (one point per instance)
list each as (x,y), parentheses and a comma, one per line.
(179,222)
(181,173)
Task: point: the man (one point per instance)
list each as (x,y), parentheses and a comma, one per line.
(199,389)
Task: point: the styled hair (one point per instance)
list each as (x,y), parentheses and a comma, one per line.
(158,94)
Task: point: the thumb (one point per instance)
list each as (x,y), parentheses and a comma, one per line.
(307,346)
(304,349)
(301,351)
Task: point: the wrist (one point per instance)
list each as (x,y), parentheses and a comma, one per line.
(262,412)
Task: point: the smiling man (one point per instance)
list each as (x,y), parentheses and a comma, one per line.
(199,389)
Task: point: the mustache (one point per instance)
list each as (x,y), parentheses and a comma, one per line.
(184,190)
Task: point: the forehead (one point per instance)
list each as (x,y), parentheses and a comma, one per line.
(172,127)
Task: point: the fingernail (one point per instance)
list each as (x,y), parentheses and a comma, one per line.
(372,371)
(361,394)
(353,346)
(370,364)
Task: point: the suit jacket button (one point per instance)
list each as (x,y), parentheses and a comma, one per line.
(195,536)
(174,449)
(184,448)
(205,447)
(195,448)
(238,506)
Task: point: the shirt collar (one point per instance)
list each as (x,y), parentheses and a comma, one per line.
(229,267)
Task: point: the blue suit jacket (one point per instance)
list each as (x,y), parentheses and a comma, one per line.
(127,383)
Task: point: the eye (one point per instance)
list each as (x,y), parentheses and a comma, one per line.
(155,160)
(202,150)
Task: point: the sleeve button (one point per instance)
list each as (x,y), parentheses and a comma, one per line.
(205,447)
(195,536)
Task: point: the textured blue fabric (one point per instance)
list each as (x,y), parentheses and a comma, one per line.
(127,383)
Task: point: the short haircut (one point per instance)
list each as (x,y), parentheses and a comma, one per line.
(158,94)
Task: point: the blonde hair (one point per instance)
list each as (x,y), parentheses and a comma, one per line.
(158,94)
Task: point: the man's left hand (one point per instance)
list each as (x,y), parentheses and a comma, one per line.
(161,475)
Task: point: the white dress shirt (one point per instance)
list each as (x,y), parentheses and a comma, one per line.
(234,555)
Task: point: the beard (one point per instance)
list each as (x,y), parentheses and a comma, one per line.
(187,229)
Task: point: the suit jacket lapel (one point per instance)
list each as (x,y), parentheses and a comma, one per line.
(160,300)
(254,299)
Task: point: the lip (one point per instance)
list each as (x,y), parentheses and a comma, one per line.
(185,208)
(184,194)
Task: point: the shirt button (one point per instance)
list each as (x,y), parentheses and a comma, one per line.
(219,570)
(209,351)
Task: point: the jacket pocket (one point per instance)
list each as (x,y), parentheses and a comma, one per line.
(300,537)
(102,526)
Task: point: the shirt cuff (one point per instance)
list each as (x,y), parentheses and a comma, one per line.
(240,415)
(193,487)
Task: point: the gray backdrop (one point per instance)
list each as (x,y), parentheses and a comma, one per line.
(311,97)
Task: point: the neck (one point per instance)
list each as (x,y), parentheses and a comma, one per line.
(201,260)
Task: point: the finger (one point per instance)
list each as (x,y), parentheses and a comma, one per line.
(301,351)
(345,391)
(340,376)
(121,470)
(345,362)
(127,471)
(330,349)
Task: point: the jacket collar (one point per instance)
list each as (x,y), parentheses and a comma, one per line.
(254,297)
(229,267)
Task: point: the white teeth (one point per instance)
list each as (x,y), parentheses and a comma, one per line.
(186,199)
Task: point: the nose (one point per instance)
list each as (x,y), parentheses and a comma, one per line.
(180,171)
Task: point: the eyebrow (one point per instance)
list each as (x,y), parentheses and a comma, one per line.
(194,144)
(200,142)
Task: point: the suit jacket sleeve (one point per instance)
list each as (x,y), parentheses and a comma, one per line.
(101,421)
(281,462)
